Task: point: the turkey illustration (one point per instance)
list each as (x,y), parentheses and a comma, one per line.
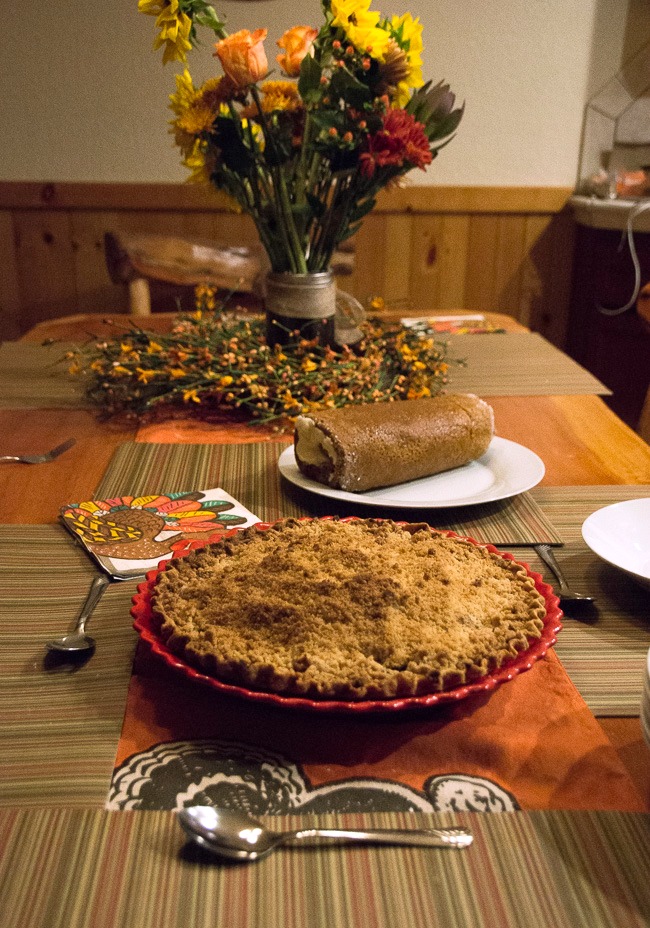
(128,527)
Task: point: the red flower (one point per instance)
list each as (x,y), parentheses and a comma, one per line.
(401,141)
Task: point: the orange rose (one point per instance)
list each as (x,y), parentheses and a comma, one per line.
(242,56)
(296,43)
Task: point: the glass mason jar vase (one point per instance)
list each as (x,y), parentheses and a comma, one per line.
(302,303)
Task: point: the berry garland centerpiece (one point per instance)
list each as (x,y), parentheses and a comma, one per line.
(214,361)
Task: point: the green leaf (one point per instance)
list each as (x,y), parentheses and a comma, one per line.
(346,86)
(309,85)
(350,231)
(278,150)
(328,119)
(210,19)
(446,126)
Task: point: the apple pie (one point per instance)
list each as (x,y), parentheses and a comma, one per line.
(346,609)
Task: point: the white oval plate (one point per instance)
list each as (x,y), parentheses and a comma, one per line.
(505,469)
(620,534)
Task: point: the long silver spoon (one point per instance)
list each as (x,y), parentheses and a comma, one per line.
(78,641)
(237,836)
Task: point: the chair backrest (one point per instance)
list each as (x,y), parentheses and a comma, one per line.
(182,261)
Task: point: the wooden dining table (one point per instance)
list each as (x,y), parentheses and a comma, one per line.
(582,443)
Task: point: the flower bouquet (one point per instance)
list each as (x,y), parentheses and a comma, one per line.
(305,155)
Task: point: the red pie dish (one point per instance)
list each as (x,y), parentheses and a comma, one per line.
(147,628)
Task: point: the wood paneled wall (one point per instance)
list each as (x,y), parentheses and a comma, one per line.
(500,249)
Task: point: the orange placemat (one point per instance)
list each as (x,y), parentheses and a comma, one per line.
(198,431)
(531,744)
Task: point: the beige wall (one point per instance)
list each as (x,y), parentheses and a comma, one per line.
(84,98)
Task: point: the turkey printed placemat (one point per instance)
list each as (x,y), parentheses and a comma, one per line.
(129,535)
(532,743)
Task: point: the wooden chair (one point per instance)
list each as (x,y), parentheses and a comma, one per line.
(136,259)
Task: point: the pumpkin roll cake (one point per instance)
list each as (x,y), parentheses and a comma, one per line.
(359,448)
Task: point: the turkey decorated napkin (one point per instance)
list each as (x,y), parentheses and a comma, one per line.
(129,535)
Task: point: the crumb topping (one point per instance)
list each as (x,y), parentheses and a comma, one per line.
(355,610)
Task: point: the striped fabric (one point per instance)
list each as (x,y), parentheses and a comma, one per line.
(43,707)
(517,364)
(604,653)
(605,657)
(53,714)
(93,869)
(511,364)
(250,473)
(31,377)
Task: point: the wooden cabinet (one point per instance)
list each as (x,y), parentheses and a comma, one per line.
(615,348)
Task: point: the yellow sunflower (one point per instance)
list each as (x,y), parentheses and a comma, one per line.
(361,26)
(197,164)
(174,25)
(184,95)
(195,112)
(407,33)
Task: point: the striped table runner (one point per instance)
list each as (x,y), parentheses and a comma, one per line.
(517,364)
(55,714)
(61,723)
(510,364)
(249,472)
(94,869)
(30,377)
(604,652)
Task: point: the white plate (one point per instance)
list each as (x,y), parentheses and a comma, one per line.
(620,534)
(505,469)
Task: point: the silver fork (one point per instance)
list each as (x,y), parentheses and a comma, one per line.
(567,595)
(39,458)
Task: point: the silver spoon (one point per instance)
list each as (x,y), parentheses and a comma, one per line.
(567,595)
(78,640)
(237,836)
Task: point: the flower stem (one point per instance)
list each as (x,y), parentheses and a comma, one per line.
(295,256)
(288,225)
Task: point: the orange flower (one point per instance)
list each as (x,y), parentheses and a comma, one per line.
(242,56)
(296,43)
